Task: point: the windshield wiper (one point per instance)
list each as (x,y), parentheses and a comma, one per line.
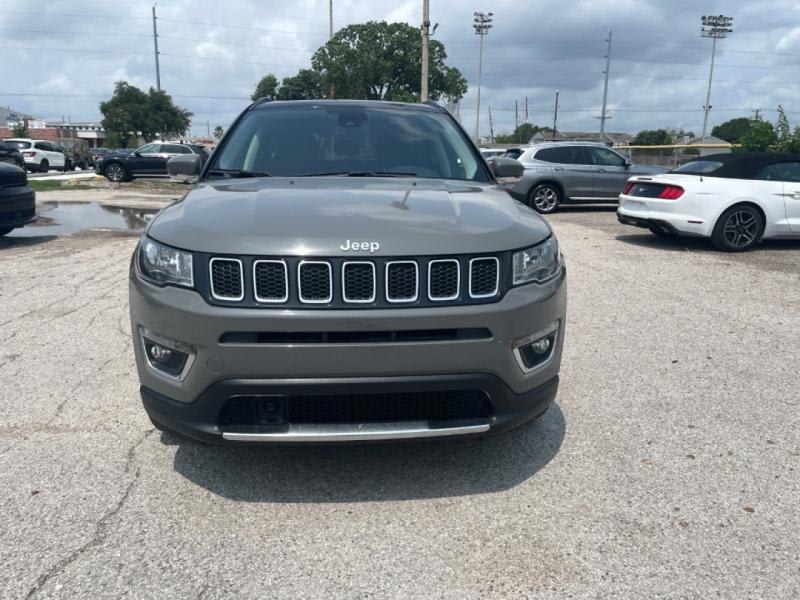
(362,174)
(238,173)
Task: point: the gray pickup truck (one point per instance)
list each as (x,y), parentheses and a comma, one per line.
(346,271)
(575,172)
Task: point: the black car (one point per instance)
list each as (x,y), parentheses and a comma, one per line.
(10,154)
(17,200)
(150,160)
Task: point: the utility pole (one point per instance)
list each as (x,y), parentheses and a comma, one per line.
(482,24)
(491,126)
(526,110)
(516,116)
(555,116)
(756,114)
(604,114)
(155,46)
(426,26)
(330,19)
(208,130)
(714,27)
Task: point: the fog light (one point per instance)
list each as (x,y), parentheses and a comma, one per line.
(168,357)
(533,351)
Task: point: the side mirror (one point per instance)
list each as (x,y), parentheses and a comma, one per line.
(506,168)
(628,164)
(137,154)
(184,168)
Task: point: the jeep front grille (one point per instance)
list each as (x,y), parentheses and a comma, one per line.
(227,281)
(373,282)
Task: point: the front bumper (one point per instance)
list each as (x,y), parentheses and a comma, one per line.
(220,371)
(17,206)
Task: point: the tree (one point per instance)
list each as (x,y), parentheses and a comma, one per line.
(733,130)
(131,112)
(759,137)
(782,131)
(521,135)
(653,137)
(306,85)
(218,131)
(20,129)
(266,88)
(380,61)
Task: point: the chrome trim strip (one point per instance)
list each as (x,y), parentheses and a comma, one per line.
(496,279)
(352,433)
(285,289)
(211,279)
(416,280)
(458,280)
(532,338)
(374,281)
(300,281)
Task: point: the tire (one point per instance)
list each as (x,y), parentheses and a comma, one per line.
(545,198)
(5,230)
(115,172)
(44,166)
(738,229)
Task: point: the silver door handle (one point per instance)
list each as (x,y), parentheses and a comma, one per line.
(558,168)
(600,171)
(796,195)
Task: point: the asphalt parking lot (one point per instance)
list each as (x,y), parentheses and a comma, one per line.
(667,469)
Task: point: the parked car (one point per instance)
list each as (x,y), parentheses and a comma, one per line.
(575,172)
(9,153)
(40,155)
(17,199)
(514,153)
(98,153)
(736,199)
(149,159)
(77,151)
(346,271)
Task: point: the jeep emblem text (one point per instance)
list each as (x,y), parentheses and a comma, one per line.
(349,246)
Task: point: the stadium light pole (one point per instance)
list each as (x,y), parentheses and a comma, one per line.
(482,24)
(714,27)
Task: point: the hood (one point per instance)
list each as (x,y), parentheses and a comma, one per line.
(12,175)
(320,215)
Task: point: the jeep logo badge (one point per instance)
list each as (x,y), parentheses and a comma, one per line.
(354,246)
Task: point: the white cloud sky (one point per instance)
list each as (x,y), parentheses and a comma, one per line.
(658,72)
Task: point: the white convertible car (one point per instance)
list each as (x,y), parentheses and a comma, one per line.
(735,199)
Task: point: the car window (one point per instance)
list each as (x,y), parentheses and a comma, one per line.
(308,139)
(604,157)
(20,145)
(149,149)
(788,171)
(698,167)
(41,146)
(175,149)
(565,155)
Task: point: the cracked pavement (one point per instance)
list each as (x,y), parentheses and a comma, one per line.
(667,469)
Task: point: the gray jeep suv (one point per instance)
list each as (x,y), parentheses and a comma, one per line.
(346,271)
(560,172)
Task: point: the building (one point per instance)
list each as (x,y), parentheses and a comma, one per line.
(711,145)
(90,131)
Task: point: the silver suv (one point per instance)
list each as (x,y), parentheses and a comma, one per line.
(346,271)
(560,172)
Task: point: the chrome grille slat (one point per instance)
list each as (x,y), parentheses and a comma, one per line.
(226,277)
(315,277)
(358,282)
(269,278)
(444,279)
(397,280)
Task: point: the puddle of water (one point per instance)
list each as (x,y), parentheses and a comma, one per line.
(64,218)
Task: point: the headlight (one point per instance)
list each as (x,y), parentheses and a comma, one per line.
(536,264)
(164,265)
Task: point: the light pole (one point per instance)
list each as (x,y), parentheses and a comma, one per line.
(482,24)
(714,27)
(426,27)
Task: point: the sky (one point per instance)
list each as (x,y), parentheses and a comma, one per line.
(61,58)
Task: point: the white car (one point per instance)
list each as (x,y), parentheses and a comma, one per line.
(735,199)
(40,155)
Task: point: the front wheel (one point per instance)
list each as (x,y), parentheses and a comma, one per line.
(545,198)
(738,229)
(115,172)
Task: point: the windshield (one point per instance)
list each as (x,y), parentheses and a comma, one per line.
(699,167)
(20,145)
(308,139)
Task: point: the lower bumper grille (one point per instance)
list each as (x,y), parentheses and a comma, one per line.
(355,408)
